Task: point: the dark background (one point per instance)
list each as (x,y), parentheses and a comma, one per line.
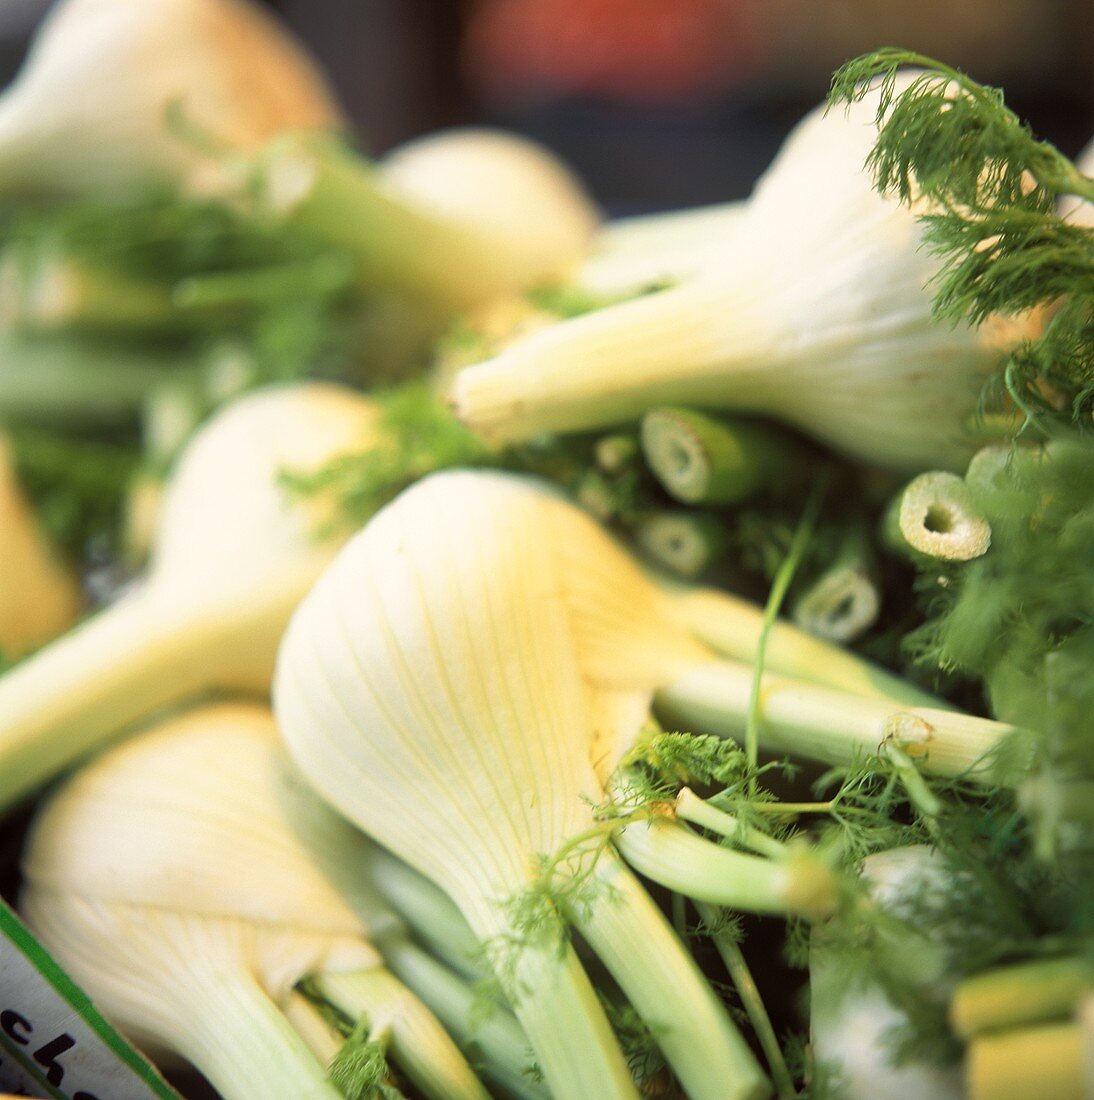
(659,103)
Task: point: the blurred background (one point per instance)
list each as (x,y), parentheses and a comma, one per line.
(659,103)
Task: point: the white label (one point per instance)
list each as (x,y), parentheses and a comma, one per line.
(53,1042)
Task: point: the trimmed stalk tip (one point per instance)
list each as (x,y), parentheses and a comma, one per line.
(937,517)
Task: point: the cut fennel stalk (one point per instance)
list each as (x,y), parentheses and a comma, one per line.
(844,601)
(816,314)
(458,254)
(430,688)
(158,848)
(233,556)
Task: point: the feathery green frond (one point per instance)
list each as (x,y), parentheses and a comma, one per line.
(359,1070)
(990,190)
(77,486)
(952,139)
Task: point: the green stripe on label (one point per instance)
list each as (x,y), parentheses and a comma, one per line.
(51,1027)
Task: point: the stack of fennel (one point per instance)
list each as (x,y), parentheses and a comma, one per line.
(551,801)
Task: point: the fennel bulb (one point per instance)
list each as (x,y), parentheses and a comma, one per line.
(850,1015)
(431,689)
(504,183)
(816,313)
(39,595)
(233,555)
(190,882)
(89,111)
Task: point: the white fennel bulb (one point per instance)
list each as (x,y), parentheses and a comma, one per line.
(431,688)
(851,1017)
(817,313)
(190,881)
(90,108)
(683,652)
(234,553)
(39,595)
(503,183)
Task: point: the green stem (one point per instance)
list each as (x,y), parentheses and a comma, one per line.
(678,859)
(246,1047)
(631,937)
(732,627)
(690,807)
(749,992)
(593,492)
(52,382)
(791,807)
(48,294)
(843,601)
(417,1043)
(322,188)
(1017,996)
(823,724)
(431,914)
(779,587)
(615,453)
(495,1033)
(702,460)
(684,542)
(920,795)
(257,286)
(1027,1064)
(561,1014)
(1061,809)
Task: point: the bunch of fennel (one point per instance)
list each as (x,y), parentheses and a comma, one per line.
(815,313)
(688,653)
(919,973)
(545,646)
(150,211)
(234,554)
(431,689)
(193,900)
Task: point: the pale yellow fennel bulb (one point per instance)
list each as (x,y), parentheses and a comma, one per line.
(234,553)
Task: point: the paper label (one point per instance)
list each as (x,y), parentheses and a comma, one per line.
(53,1041)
